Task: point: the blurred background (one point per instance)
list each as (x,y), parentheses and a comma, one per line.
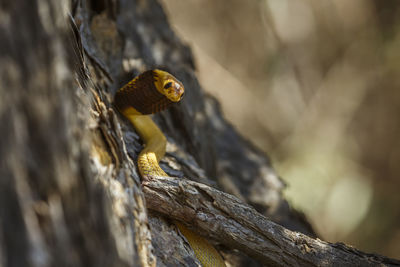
(316,85)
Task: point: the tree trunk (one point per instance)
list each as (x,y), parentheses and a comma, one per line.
(69,189)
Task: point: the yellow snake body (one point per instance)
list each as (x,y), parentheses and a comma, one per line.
(148,93)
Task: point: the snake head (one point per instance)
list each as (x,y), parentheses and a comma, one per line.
(169,86)
(173,90)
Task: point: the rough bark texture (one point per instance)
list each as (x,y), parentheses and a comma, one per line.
(52,210)
(70,194)
(224,217)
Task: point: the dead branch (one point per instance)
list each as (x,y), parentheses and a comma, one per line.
(228,220)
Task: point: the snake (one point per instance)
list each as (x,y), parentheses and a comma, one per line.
(148,93)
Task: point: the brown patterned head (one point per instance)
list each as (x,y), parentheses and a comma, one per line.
(150,92)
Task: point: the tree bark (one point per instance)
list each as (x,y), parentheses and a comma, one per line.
(229,220)
(70,193)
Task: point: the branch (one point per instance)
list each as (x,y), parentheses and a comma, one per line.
(227,219)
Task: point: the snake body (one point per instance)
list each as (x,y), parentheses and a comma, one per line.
(148,93)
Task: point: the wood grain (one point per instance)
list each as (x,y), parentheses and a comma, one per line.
(235,224)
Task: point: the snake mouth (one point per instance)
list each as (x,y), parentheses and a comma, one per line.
(175,92)
(179,91)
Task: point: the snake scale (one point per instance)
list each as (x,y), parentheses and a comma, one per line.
(148,93)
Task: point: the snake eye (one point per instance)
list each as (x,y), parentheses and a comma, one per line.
(168,85)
